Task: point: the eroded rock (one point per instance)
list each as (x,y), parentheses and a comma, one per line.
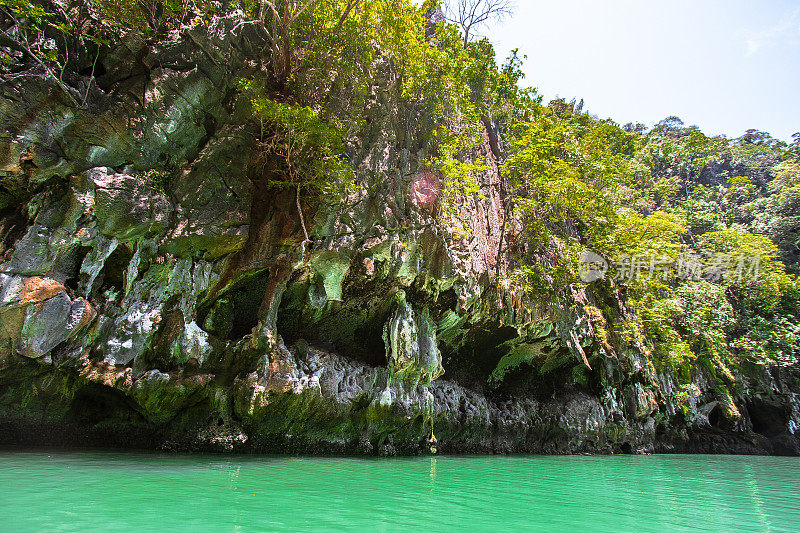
(411,348)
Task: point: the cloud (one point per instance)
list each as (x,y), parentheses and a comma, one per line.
(785,32)
(752,47)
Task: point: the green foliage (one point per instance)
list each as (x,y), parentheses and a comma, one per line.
(30,21)
(704,210)
(517,355)
(658,319)
(636,235)
(678,198)
(768,340)
(155,179)
(778,215)
(151,18)
(305,150)
(754,274)
(25,9)
(575,182)
(707,317)
(553,182)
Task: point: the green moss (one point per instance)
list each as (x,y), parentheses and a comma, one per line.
(211,247)
(516,356)
(555,360)
(332,267)
(28,391)
(219,320)
(580,375)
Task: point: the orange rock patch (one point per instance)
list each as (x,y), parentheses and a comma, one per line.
(39,289)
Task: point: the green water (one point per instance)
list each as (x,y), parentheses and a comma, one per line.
(54,491)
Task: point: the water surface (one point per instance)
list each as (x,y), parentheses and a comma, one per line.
(66,491)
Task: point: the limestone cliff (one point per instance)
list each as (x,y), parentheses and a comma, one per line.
(154,293)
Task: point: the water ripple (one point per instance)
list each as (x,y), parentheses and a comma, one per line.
(140,492)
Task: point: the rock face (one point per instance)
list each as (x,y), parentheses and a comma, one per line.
(154,293)
(38,315)
(410,340)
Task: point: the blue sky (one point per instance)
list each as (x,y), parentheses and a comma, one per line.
(725,66)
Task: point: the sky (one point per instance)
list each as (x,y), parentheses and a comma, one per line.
(725,66)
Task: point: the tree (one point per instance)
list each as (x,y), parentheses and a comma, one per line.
(470,15)
(22,29)
(794,147)
(279,19)
(670,126)
(761,138)
(298,148)
(778,215)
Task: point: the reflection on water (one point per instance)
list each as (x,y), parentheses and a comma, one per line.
(46,491)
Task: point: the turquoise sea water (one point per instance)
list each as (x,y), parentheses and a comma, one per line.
(71,491)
